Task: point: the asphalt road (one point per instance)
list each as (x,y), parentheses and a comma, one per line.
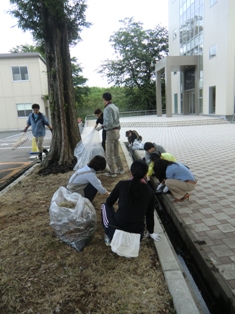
(13,161)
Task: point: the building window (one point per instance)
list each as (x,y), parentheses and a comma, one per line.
(212,51)
(212,99)
(189,79)
(212,2)
(20,73)
(23,110)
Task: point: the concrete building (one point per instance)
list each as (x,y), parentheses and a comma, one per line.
(23,81)
(200,68)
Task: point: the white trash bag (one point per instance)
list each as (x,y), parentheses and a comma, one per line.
(137,145)
(88,148)
(73,218)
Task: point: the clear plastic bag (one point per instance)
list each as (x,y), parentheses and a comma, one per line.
(88,148)
(73,218)
(137,145)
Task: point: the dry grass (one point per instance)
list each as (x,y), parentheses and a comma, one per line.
(41,274)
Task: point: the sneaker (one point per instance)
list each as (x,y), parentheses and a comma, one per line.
(165,190)
(120,171)
(109,174)
(45,151)
(107,240)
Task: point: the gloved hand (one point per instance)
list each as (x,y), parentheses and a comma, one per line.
(155,236)
(160,186)
(98,128)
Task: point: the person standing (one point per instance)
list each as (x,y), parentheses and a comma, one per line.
(37,121)
(111,124)
(100,120)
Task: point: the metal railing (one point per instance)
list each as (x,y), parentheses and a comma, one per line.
(129,113)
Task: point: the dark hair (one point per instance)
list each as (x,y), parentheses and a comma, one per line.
(155,156)
(148,145)
(35,106)
(139,169)
(97,111)
(107,96)
(127,133)
(98,163)
(160,167)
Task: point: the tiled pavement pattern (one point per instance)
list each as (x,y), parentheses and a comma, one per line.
(209,151)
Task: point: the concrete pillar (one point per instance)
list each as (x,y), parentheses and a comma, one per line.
(159,93)
(168,88)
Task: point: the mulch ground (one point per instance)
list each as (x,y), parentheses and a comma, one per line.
(41,274)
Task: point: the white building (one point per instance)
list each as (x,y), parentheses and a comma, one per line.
(200,68)
(23,82)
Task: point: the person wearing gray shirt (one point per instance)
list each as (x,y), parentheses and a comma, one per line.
(112,126)
(152,148)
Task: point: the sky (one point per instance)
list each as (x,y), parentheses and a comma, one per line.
(95,46)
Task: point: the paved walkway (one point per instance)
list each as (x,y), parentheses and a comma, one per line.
(207,220)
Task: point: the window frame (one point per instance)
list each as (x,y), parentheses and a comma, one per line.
(26,110)
(212,55)
(20,73)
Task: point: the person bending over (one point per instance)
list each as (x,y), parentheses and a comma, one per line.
(176,176)
(135,203)
(133,135)
(85,182)
(152,148)
(153,158)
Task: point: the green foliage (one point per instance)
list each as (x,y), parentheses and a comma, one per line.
(66,13)
(136,51)
(93,100)
(80,89)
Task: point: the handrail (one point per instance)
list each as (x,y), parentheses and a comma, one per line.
(129,113)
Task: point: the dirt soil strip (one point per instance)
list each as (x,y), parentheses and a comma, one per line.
(41,274)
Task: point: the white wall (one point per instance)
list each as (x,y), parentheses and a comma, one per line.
(12,93)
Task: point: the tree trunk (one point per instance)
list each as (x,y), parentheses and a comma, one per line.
(66,133)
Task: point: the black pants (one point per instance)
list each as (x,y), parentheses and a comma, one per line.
(90,192)
(107,213)
(103,139)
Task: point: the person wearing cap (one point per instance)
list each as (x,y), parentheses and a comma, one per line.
(37,121)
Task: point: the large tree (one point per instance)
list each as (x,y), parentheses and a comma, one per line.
(136,52)
(56,23)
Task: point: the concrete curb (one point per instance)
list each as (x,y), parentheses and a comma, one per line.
(183,300)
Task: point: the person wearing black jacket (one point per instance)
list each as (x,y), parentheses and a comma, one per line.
(100,120)
(135,203)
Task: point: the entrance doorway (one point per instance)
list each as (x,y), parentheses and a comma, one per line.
(190,102)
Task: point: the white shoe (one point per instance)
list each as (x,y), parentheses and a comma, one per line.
(109,174)
(106,240)
(120,171)
(165,190)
